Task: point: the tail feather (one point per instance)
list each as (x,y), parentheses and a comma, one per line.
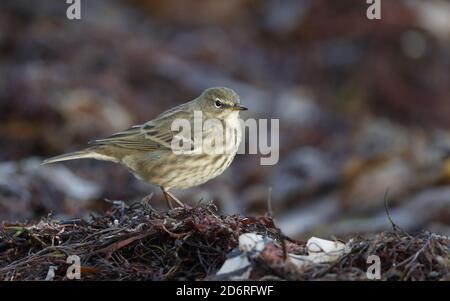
(83,154)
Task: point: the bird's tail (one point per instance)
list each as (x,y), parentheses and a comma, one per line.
(88,153)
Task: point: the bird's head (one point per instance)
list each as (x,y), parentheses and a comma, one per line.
(220,103)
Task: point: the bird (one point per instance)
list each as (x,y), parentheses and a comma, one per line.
(147,150)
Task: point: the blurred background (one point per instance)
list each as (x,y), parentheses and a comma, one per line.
(364,105)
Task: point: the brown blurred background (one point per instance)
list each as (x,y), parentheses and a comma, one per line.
(364,106)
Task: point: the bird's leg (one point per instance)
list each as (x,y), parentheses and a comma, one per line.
(146,199)
(176,200)
(167,197)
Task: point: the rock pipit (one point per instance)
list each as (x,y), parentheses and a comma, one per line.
(156,153)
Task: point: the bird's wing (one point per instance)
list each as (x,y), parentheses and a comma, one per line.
(155,134)
(144,137)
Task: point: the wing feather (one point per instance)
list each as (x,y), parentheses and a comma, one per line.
(152,135)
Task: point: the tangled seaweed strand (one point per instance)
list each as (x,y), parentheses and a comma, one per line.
(137,243)
(128,243)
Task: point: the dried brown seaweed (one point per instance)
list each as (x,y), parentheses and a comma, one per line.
(137,243)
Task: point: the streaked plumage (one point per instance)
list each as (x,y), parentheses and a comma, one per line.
(146,149)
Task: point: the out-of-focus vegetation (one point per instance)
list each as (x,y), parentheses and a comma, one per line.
(363,105)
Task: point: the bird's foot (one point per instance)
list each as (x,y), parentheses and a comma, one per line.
(180,203)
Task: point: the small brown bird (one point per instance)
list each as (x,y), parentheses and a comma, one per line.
(147,150)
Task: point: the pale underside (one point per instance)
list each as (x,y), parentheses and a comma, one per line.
(146,151)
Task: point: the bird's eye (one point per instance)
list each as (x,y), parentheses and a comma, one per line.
(218,103)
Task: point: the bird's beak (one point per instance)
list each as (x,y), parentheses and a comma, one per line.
(238,107)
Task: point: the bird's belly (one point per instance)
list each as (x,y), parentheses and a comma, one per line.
(169,170)
(180,171)
(197,170)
